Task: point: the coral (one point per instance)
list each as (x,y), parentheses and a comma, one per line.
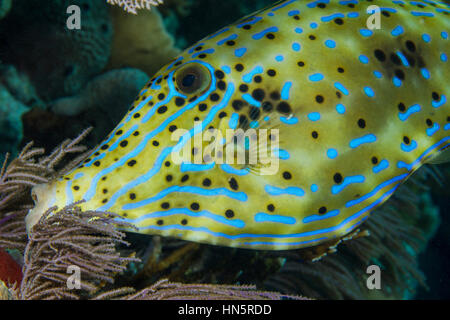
(192,24)
(10,271)
(87,240)
(132,6)
(110,92)
(165,290)
(67,58)
(5,6)
(20,175)
(5,292)
(19,86)
(140,41)
(11,111)
(17,96)
(68,238)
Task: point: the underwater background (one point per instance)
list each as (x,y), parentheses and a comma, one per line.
(54,83)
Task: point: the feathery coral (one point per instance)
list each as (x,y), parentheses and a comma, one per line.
(17,178)
(132,6)
(71,237)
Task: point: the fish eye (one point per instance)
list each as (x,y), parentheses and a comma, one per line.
(193,78)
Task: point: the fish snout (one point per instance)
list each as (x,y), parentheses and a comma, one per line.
(44,198)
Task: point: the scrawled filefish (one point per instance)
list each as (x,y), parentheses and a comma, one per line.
(357,111)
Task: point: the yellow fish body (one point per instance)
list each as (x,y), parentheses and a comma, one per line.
(357,111)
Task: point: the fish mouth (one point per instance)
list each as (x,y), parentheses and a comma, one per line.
(44,198)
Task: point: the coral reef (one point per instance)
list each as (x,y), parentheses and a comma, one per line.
(20,175)
(71,238)
(5,6)
(11,112)
(114,89)
(10,271)
(67,58)
(140,41)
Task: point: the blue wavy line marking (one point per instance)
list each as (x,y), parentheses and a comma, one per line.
(366,32)
(278,236)
(409,167)
(240,52)
(368,138)
(353,226)
(281,243)
(247,78)
(217,33)
(289,120)
(165,153)
(124,136)
(317,217)
(260,35)
(69,193)
(422,14)
(375,190)
(155,85)
(92,189)
(233,123)
(281,153)
(240,196)
(232,37)
(208,51)
(347,181)
(265,217)
(251,100)
(181,58)
(315,3)
(332,17)
(187,167)
(316,77)
(341,88)
(408,147)
(431,131)
(285,90)
(403,58)
(388,9)
(98,147)
(275,191)
(439,103)
(411,110)
(346,2)
(384,164)
(138,108)
(253,21)
(237,223)
(229,169)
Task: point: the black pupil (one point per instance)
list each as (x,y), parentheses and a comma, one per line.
(188,80)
